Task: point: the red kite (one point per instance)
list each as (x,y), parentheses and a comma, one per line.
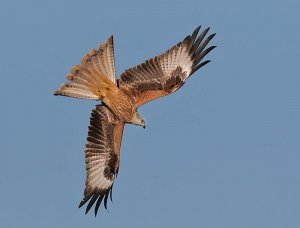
(95,78)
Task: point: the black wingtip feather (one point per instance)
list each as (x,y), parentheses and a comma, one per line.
(195,44)
(204,53)
(105,200)
(92,201)
(97,197)
(187,38)
(203,45)
(211,36)
(197,49)
(110,193)
(97,206)
(195,33)
(85,199)
(200,65)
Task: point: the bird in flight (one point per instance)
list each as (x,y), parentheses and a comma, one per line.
(95,78)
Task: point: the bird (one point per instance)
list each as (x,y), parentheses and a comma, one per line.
(95,78)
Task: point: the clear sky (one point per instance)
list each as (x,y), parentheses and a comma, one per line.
(224,151)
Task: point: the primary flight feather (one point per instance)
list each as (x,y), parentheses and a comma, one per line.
(95,78)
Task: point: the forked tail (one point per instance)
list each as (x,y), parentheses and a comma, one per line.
(94,77)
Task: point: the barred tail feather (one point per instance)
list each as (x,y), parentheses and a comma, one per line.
(84,82)
(96,72)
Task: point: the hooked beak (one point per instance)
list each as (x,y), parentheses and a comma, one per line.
(144,126)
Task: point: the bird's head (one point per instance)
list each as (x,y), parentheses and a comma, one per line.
(138,120)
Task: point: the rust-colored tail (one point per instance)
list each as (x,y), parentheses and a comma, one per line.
(94,77)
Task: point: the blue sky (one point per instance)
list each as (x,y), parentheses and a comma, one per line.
(223,151)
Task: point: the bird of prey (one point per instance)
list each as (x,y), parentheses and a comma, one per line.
(95,78)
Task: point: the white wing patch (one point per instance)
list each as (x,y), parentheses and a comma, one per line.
(178,56)
(95,166)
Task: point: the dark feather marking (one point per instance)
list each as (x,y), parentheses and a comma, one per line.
(92,201)
(93,140)
(148,67)
(105,199)
(98,204)
(204,44)
(175,81)
(186,39)
(199,40)
(85,199)
(91,155)
(97,196)
(95,129)
(195,33)
(199,66)
(204,53)
(109,171)
(149,86)
(173,84)
(157,66)
(95,135)
(92,152)
(93,146)
(110,195)
(191,39)
(117,171)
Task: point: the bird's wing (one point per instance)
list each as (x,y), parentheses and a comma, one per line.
(102,156)
(86,78)
(166,73)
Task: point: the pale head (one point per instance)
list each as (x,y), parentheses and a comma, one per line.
(137,119)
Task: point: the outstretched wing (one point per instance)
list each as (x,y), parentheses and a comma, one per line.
(102,156)
(166,73)
(86,78)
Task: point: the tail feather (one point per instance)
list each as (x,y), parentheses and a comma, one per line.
(76,91)
(91,78)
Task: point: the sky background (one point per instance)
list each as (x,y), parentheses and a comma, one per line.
(223,151)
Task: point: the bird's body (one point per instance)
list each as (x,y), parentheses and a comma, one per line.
(95,79)
(117,100)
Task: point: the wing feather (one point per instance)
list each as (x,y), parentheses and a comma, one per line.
(166,73)
(102,156)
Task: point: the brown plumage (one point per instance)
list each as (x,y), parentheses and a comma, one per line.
(95,79)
